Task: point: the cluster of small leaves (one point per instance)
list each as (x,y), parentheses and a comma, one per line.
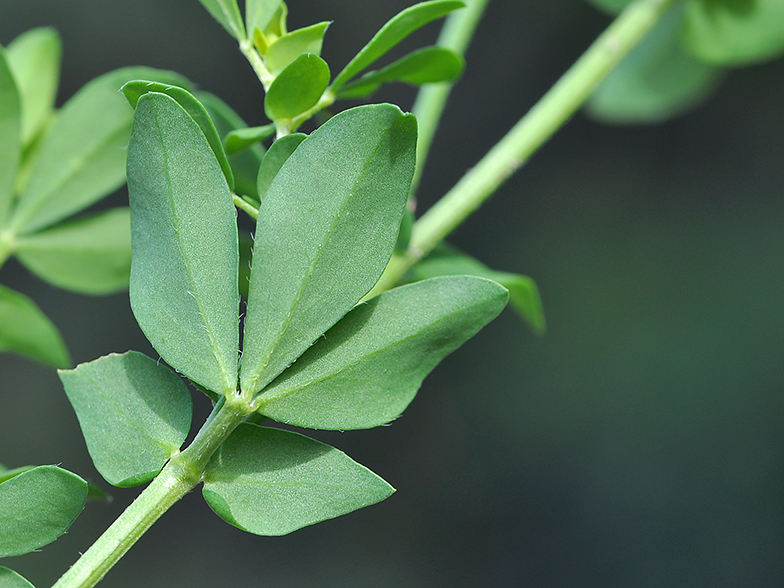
(685,57)
(52,166)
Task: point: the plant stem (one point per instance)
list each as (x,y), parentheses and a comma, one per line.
(183,472)
(531,132)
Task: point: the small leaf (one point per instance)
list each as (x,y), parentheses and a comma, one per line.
(610,6)
(185,255)
(10,136)
(134,413)
(134,90)
(259,13)
(367,368)
(91,254)
(25,330)
(424,66)
(6,474)
(240,139)
(734,32)
(82,157)
(272,482)
(97,493)
(291,45)
(297,88)
(325,232)
(227,13)
(10,579)
(274,159)
(394,31)
(34,58)
(38,506)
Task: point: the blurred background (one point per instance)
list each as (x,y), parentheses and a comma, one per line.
(639,443)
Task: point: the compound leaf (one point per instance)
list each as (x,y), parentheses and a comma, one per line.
(227,13)
(291,45)
(297,88)
(91,254)
(367,368)
(272,482)
(10,579)
(326,229)
(274,159)
(25,330)
(38,506)
(10,136)
(134,413)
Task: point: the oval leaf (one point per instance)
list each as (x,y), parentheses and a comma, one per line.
(25,330)
(272,482)
(326,229)
(134,413)
(394,31)
(227,13)
(10,136)
(291,45)
(368,367)
(240,139)
(10,579)
(297,88)
(185,253)
(274,159)
(38,506)
(91,254)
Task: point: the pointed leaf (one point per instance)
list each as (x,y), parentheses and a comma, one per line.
(134,90)
(394,31)
(82,157)
(227,13)
(240,139)
(297,88)
(10,136)
(185,254)
(424,66)
(326,230)
(274,159)
(259,13)
(91,254)
(25,330)
(291,45)
(368,367)
(10,579)
(34,58)
(134,413)
(272,482)
(38,506)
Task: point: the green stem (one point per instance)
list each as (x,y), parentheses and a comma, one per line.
(183,472)
(530,133)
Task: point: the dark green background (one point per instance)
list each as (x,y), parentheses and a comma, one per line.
(640,443)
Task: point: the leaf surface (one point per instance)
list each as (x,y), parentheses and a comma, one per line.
(291,45)
(326,229)
(259,13)
(240,139)
(10,136)
(227,13)
(272,482)
(274,159)
(297,88)
(10,579)
(185,254)
(134,413)
(25,330)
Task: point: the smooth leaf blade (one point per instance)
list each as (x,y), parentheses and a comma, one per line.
(274,159)
(185,254)
(272,482)
(394,31)
(258,14)
(297,88)
(91,255)
(368,367)
(6,474)
(10,136)
(227,13)
(291,45)
(240,139)
(38,506)
(25,330)
(326,229)
(10,579)
(82,157)
(134,414)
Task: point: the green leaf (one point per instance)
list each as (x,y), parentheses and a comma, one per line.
(297,88)
(610,6)
(91,254)
(38,506)
(369,366)
(259,13)
(240,139)
(6,474)
(10,579)
(134,90)
(34,58)
(244,164)
(274,159)
(424,66)
(227,13)
(326,230)
(406,229)
(10,136)
(185,254)
(134,413)
(25,330)
(97,493)
(524,297)
(734,32)
(656,81)
(82,157)
(291,45)
(272,482)
(394,31)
